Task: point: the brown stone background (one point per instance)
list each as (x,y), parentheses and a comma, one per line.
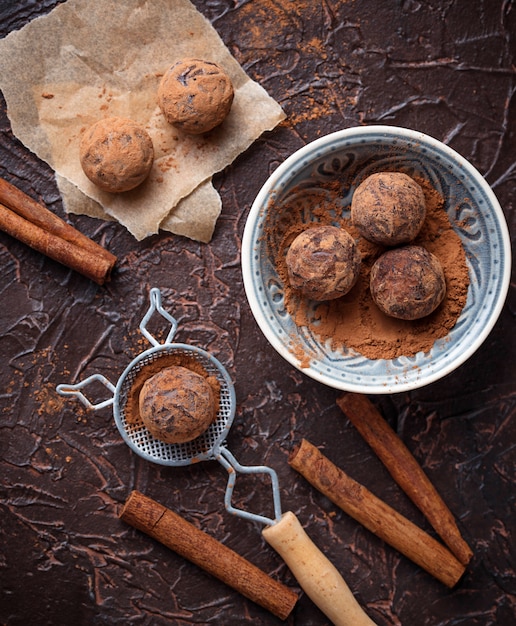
(443,67)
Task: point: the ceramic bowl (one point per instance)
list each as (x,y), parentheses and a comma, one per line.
(474,213)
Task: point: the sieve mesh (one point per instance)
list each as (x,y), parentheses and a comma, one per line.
(140,439)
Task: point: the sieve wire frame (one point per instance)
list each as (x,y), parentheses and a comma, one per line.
(142,442)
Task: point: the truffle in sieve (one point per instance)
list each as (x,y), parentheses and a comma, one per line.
(177,404)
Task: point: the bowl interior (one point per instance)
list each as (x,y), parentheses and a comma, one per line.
(351,155)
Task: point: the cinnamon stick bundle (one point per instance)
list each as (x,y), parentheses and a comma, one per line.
(405,470)
(33,224)
(377,516)
(212,556)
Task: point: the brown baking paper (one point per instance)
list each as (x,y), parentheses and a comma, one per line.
(88,60)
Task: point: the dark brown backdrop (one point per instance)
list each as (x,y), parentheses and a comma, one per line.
(445,68)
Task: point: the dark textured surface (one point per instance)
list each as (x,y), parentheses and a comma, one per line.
(443,67)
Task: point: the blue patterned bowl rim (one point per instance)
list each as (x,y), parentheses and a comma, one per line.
(485,238)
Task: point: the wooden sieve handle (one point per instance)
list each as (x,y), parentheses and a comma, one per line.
(317,576)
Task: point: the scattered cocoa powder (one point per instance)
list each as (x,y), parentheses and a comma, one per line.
(354,322)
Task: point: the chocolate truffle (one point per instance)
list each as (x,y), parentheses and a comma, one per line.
(323,262)
(116,154)
(195,95)
(408,282)
(388,208)
(177,404)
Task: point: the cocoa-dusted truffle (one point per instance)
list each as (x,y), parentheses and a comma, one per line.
(323,262)
(388,208)
(177,404)
(408,282)
(195,95)
(116,154)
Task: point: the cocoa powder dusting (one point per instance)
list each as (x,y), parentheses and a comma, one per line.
(132,409)
(354,321)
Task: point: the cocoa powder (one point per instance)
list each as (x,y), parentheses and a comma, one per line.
(354,322)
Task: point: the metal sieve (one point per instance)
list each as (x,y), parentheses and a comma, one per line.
(314,572)
(207,446)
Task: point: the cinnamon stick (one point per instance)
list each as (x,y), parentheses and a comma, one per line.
(33,224)
(405,470)
(212,556)
(377,516)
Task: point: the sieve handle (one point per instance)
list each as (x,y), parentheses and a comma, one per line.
(156,307)
(233,467)
(317,576)
(75,391)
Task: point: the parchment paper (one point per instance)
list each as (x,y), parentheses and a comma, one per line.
(87,60)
